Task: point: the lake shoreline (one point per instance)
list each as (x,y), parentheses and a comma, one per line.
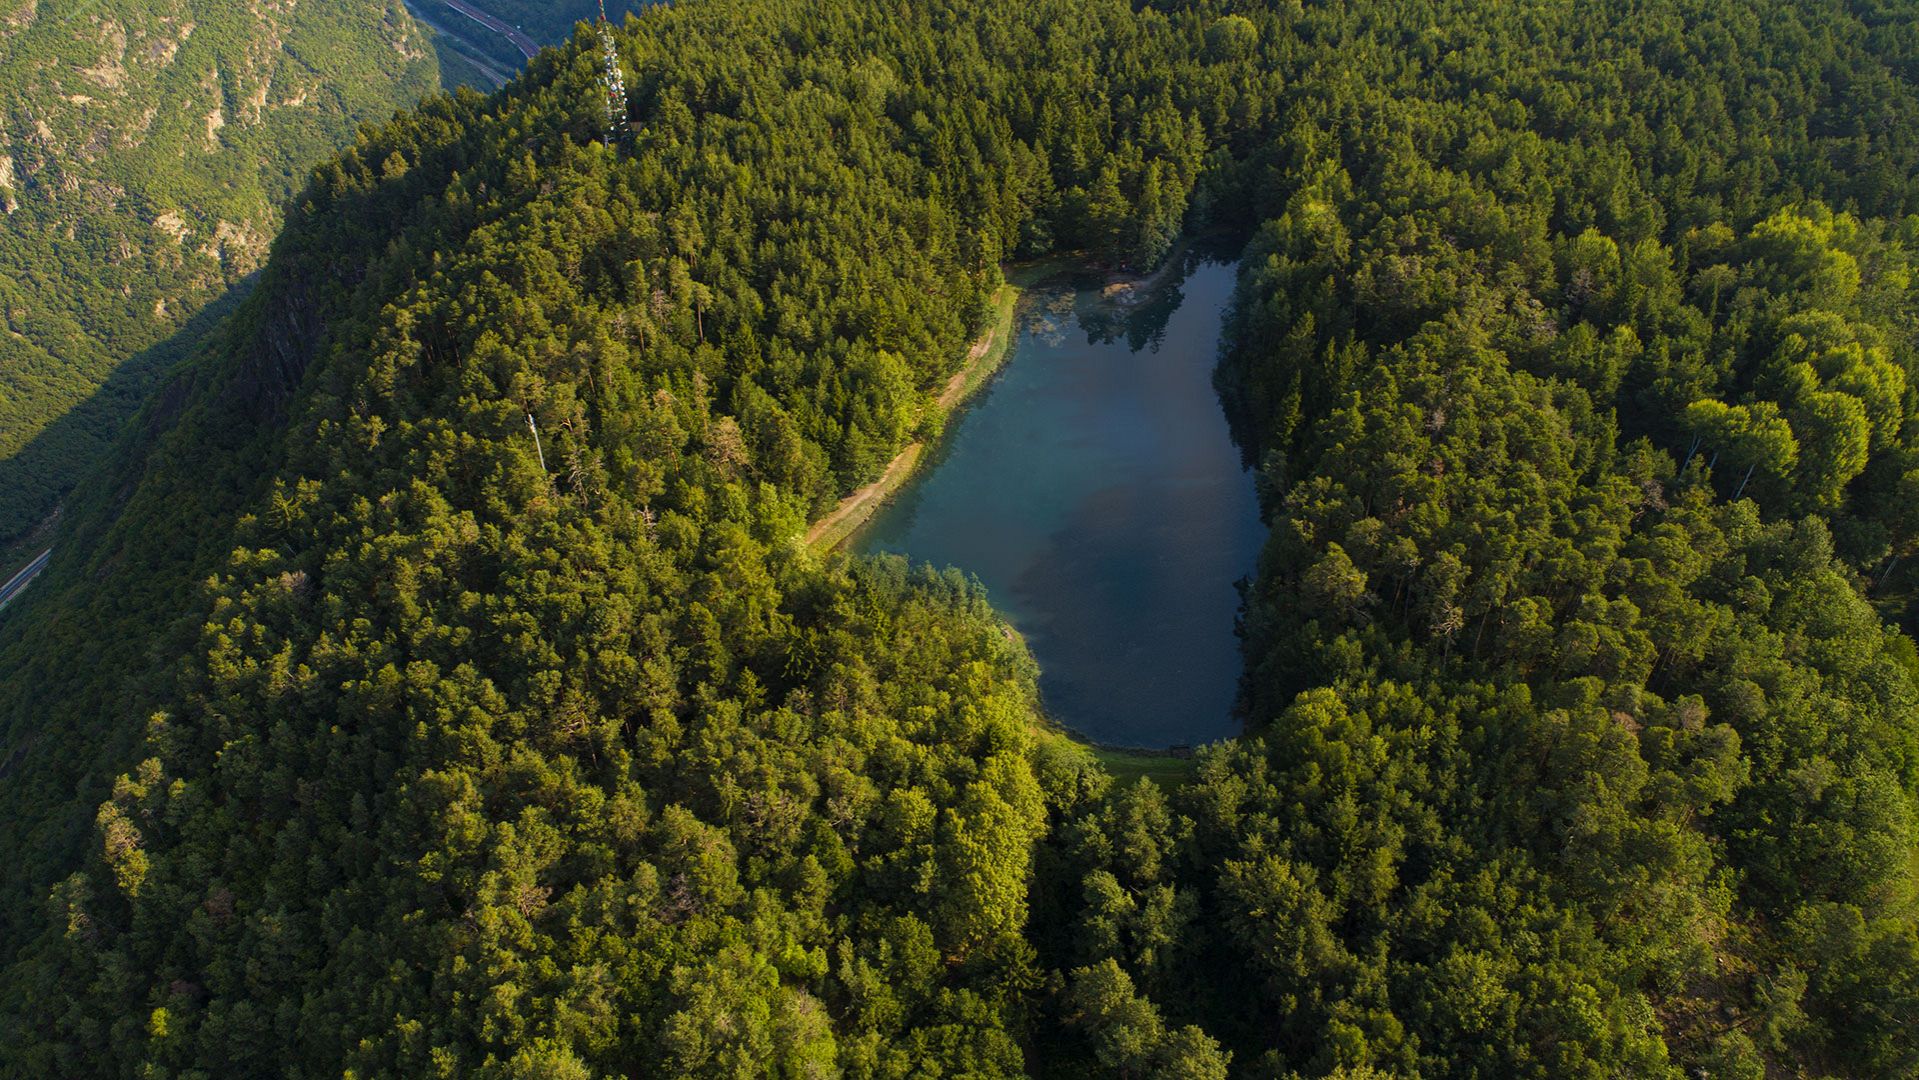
(839,526)
(987,353)
(1068,485)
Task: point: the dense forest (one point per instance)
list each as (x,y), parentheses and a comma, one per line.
(434,682)
(146,148)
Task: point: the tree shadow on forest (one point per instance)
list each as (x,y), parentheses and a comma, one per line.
(34,481)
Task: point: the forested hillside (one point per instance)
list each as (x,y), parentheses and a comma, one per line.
(436,683)
(145,151)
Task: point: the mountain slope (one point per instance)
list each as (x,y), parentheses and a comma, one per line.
(145,151)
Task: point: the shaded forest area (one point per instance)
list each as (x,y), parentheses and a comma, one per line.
(355,733)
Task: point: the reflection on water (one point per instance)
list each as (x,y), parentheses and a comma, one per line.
(1094,489)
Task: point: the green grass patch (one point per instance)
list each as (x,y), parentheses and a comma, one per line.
(1163,767)
(1167,770)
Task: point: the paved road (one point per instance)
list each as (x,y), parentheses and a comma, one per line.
(24,578)
(459,43)
(520,41)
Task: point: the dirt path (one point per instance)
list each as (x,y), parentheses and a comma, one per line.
(982,359)
(853,511)
(972,370)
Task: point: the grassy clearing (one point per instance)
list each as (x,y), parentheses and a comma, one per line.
(1124,765)
(1166,770)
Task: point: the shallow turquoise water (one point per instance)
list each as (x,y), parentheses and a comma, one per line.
(1095,491)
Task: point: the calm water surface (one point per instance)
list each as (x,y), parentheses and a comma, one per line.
(1095,491)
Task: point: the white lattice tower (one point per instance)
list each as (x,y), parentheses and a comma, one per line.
(614,81)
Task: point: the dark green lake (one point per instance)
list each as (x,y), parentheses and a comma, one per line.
(1095,491)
